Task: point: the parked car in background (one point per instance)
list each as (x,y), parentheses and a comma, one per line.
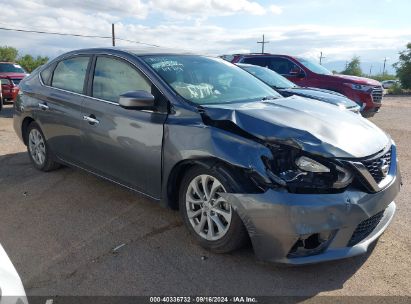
(386,84)
(10,75)
(287,88)
(304,180)
(1,97)
(366,92)
(11,288)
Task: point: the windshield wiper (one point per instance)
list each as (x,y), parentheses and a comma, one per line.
(269,98)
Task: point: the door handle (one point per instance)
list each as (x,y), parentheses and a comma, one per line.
(43,106)
(91,120)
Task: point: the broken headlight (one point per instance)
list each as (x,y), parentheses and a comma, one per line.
(303,173)
(309,165)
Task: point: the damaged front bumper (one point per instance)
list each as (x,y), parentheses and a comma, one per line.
(310,228)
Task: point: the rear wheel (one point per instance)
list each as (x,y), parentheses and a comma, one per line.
(207,215)
(38,150)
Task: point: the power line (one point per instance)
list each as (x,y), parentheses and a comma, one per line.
(74,35)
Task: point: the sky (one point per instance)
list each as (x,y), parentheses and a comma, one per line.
(373,30)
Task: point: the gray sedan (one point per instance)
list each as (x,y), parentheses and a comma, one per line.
(305,181)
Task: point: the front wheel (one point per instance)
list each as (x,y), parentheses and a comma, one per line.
(207,215)
(39,153)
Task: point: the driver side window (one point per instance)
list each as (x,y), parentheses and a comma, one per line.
(283,66)
(114,77)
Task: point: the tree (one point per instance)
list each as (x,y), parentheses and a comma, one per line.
(29,63)
(382,77)
(353,67)
(8,53)
(403,67)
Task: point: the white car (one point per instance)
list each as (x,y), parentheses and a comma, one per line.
(11,288)
(386,84)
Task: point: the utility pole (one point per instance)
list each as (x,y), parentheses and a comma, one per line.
(262,44)
(321,57)
(113,37)
(370,69)
(383,69)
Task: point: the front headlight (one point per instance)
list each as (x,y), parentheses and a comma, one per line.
(302,173)
(359,87)
(307,164)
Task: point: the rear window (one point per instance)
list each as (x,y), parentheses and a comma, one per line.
(11,68)
(70,74)
(4,81)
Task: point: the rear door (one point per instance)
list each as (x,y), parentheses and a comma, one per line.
(122,144)
(59,106)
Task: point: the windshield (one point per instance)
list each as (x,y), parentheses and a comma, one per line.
(269,77)
(314,67)
(205,80)
(16,81)
(11,68)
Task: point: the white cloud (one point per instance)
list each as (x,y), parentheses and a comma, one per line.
(275,9)
(134,8)
(207,8)
(197,35)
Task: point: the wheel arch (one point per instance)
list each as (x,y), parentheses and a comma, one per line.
(230,172)
(24,126)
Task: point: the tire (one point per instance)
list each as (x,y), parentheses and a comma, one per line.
(1,103)
(232,234)
(38,150)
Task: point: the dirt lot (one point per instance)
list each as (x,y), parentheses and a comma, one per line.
(59,229)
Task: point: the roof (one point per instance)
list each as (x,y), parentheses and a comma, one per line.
(262,54)
(147,50)
(245,65)
(155,50)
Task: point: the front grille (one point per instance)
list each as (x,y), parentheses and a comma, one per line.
(377,94)
(365,228)
(374,166)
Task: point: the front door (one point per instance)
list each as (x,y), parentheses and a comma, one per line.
(122,144)
(288,69)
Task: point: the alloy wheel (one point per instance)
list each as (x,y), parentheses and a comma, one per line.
(209,214)
(37,147)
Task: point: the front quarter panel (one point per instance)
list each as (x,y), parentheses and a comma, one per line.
(188,138)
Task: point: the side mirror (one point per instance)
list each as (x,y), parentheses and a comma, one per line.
(137,100)
(301,74)
(297,72)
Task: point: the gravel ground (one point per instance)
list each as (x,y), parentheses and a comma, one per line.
(59,229)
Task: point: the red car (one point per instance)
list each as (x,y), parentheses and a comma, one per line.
(305,73)
(10,76)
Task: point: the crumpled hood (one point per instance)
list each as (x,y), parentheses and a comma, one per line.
(357,79)
(314,126)
(321,94)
